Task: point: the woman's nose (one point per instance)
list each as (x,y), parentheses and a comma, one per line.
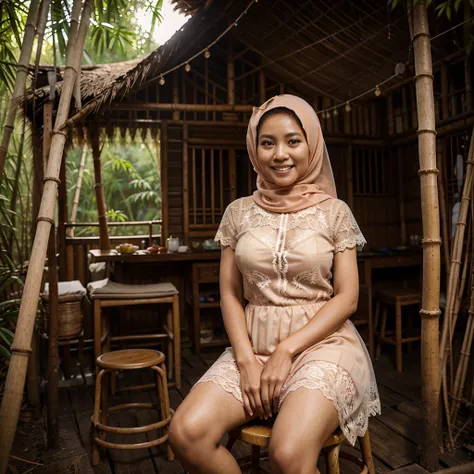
(281,152)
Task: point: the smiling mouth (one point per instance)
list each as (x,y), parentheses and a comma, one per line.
(282,168)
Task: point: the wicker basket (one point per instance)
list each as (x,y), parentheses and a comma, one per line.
(70,318)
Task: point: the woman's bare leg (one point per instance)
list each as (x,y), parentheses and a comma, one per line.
(198,426)
(305,421)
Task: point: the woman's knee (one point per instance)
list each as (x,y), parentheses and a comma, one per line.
(287,457)
(188,432)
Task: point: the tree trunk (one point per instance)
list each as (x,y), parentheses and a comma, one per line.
(77,194)
(431,235)
(20,81)
(21,349)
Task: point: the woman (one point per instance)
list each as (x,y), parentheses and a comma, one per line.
(295,354)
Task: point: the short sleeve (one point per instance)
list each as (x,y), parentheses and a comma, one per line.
(227,231)
(346,232)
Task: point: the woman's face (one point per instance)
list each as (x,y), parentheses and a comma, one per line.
(282,150)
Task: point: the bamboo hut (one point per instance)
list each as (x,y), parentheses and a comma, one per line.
(194,95)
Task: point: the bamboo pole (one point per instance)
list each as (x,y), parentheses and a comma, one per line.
(20,82)
(444,91)
(77,193)
(431,240)
(62,218)
(444,213)
(401,198)
(21,347)
(468,81)
(99,194)
(449,322)
(230,76)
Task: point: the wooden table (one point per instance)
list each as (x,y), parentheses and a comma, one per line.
(374,260)
(110,256)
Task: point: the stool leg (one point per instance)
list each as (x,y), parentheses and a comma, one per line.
(97,331)
(331,456)
(231,441)
(82,362)
(377,316)
(163,401)
(96,417)
(104,412)
(398,335)
(255,466)
(177,341)
(382,332)
(169,323)
(366,452)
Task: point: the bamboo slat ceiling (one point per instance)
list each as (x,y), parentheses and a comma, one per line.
(336,49)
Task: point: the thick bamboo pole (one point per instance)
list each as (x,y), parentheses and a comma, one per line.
(20,81)
(431,236)
(444,212)
(99,194)
(21,349)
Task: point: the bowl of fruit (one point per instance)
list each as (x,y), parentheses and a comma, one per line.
(156,249)
(126,248)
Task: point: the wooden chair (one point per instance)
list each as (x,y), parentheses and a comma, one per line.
(107,294)
(129,359)
(258,435)
(398,298)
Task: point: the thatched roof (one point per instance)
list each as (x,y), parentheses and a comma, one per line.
(335,49)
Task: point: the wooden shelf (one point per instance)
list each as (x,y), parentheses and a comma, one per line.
(215,342)
(215,304)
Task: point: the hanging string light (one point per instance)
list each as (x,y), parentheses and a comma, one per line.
(348,106)
(162,81)
(187,67)
(207,54)
(377,91)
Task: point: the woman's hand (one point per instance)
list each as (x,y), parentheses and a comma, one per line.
(250,375)
(274,375)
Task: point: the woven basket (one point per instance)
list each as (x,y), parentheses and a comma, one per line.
(70,319)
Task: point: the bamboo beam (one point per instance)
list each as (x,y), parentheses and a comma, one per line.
(20,82)
(21,347)
(431,240)
(185,107)
(99,193)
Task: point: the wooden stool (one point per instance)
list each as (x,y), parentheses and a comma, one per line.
(258,435)
(397,298)
(106,294)
(129,359)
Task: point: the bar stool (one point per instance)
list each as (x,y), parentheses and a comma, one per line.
(106,294)
(129,359)
(258,435)
(397,298)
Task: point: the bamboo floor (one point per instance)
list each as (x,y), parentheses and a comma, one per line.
(395,434)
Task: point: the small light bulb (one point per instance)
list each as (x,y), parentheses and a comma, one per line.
(187,68)
(377,91)
(207,54)
(162,81)
(348,107)
(336,113)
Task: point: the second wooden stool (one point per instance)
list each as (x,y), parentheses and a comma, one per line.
(129,359)
(398,298)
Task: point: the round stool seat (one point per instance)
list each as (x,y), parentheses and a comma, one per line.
(403,295)
(130,359)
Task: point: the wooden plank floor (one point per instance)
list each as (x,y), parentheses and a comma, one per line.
(395,435)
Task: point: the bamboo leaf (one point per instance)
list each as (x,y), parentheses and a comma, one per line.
(7,336)
(5,353)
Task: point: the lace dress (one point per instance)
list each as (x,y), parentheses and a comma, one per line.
(286,262)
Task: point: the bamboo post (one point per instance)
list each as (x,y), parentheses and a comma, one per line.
(175,93)
(442,202)
(38,175)
(401,198)
(99,193)
(350,179)
(164,181)
(391,125)
(21,347)
(20,82)
(230,76)
(62,218)
(468,80)
(449,322)
(261,86)
(77,194)
(444,91)
(186,184)
(431,240)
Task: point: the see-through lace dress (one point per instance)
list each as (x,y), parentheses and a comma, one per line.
(286,262)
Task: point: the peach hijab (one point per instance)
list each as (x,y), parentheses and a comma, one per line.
(316,185)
